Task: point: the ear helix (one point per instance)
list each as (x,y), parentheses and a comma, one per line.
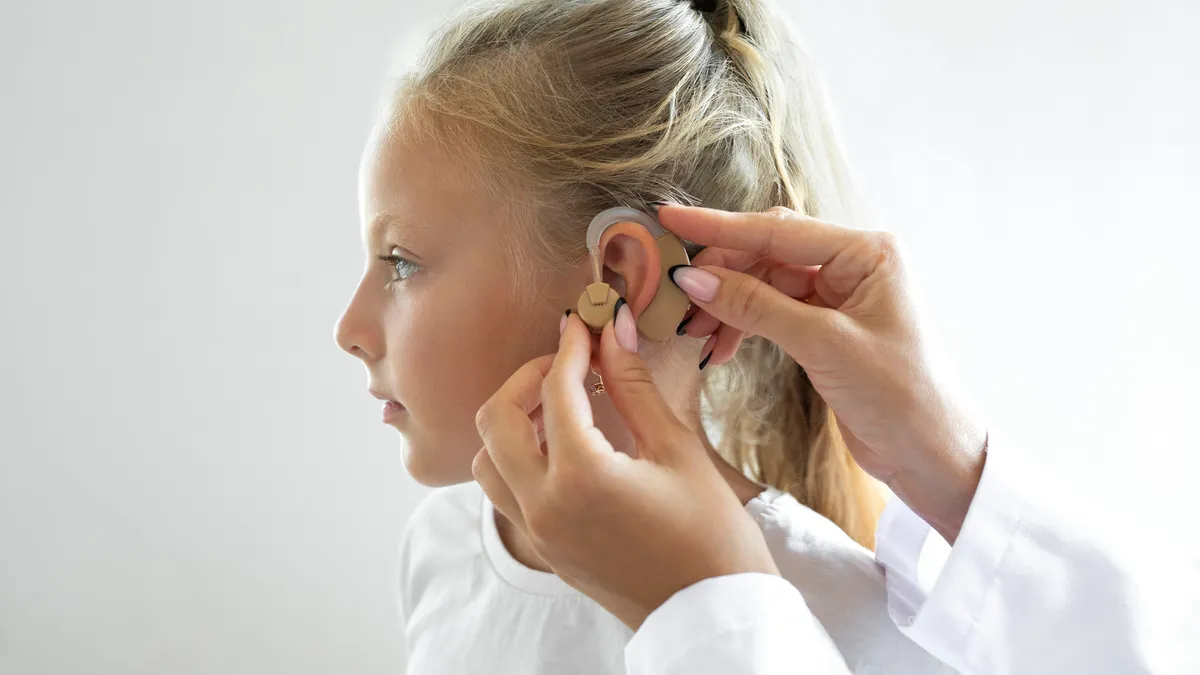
(597,304)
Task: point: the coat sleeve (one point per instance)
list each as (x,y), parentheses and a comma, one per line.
(1041,581)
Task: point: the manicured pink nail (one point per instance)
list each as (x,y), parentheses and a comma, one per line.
(700,284)
(625,327)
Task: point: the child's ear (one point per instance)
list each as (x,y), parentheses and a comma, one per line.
(632,264)
(631,254)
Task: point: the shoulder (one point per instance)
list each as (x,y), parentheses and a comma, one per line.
(842,584)
(809,541)
(832,570)
(445,511)
(443,528)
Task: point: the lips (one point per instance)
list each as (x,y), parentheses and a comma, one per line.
(393,412)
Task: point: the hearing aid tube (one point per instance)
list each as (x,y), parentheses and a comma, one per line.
(620,214)
(609,217)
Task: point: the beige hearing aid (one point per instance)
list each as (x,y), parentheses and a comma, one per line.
(597,304)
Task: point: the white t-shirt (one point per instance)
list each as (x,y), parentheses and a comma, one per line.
(470,607)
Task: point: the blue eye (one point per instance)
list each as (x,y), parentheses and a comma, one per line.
(403,267)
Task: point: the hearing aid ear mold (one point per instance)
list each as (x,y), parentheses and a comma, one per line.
(657,322)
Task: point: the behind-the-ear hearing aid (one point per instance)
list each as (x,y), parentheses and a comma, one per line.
(660,318)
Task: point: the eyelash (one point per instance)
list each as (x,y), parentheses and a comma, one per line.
(397,263)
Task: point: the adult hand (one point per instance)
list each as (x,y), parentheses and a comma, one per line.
(629,531)
(839,302)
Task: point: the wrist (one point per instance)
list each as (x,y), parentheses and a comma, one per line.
(942,490)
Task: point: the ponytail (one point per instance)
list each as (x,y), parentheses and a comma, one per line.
(776,427)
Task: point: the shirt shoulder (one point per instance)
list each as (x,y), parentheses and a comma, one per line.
(842,584)
(452,510)
(443,531)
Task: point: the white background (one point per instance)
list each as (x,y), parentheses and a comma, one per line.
(193,479)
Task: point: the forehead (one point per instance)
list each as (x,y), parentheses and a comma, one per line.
(409,184)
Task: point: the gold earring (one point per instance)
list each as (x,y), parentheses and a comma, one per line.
(598,387)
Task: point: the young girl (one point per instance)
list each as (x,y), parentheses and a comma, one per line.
(525,119)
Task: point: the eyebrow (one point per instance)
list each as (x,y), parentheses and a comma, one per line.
(388,222)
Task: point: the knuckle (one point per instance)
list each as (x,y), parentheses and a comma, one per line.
(483,418)
(888,245)
(479,466)
(748,301)
(489,488)
(756,303)
(636,378)
(740,298)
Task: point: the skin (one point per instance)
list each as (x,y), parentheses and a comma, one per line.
(839,301)
(441,337)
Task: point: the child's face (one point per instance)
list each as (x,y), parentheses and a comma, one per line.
(439,330)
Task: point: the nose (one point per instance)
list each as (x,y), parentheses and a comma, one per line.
(357,331)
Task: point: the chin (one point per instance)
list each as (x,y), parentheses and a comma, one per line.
(436,469)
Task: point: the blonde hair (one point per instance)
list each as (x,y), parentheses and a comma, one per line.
(597,103)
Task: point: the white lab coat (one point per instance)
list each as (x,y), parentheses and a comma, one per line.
(1033,584)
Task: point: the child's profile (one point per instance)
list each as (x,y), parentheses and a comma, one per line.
(524,119)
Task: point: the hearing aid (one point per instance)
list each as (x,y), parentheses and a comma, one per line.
(597,304)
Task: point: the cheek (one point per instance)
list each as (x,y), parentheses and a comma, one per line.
(439,351)
(451,347)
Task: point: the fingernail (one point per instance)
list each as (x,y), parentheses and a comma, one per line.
(700,284)
(683,324)
(710,346)
(562,323)
(625,327)
(655,204)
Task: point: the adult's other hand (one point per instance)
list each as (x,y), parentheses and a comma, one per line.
(840,303)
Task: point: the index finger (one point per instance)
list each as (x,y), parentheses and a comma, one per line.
(729,258)
(522,390)
(779,233)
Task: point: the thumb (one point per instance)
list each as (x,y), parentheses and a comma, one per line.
(758,308)
(656,430)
